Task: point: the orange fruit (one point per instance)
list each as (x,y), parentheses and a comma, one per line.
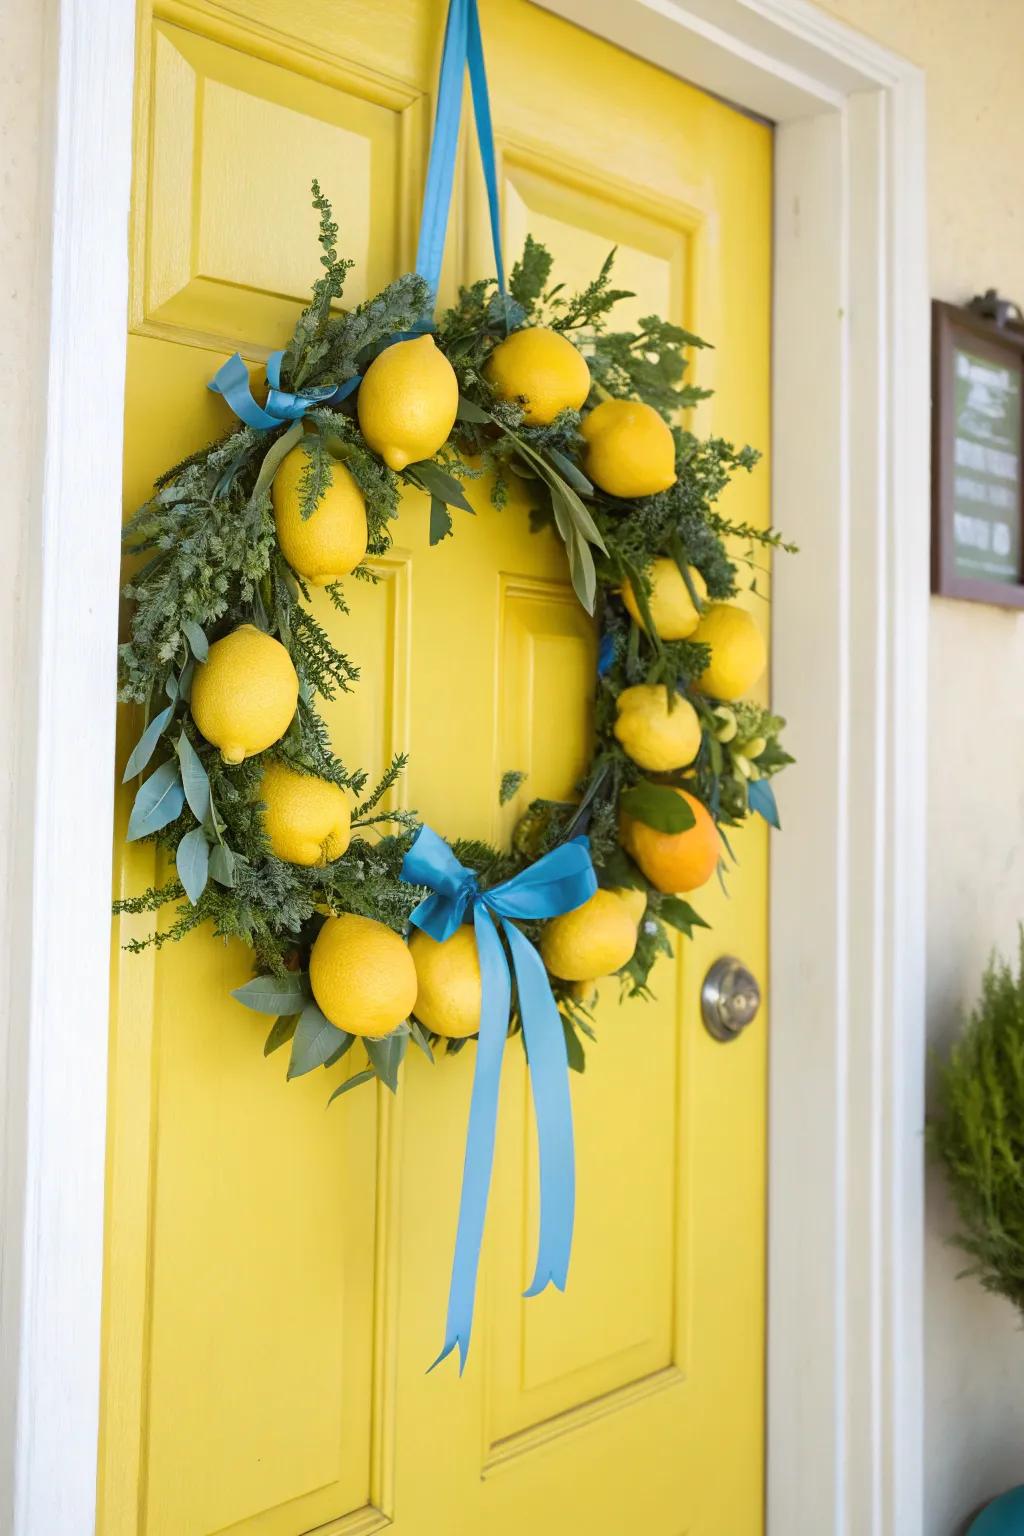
(674,861)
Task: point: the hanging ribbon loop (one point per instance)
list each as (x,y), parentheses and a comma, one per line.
(463,49)
(232,381)
(560,881)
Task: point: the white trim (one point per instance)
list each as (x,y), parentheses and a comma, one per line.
(55,1145)
(851,477)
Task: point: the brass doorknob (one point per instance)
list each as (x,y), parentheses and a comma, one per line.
(729,998)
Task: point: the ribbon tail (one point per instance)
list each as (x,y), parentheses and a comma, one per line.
(549,1080)
(232,381)
(483,1117)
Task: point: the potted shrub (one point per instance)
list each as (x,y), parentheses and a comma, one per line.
(977,1133)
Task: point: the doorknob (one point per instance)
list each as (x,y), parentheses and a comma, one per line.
(729,998)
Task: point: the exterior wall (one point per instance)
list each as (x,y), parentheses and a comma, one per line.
(974,1346)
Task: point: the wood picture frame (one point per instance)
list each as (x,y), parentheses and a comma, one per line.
(977,458)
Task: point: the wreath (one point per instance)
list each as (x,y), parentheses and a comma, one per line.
(263,841)
(365,925)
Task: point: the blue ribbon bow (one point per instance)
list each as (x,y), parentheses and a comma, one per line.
(232,381)
(558,882)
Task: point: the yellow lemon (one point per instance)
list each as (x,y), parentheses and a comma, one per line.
(655,736)
(584,993)
(407,402)
(634,899)
(594,940)
(672,607)
(329,543)
(244,693)
(630,449)
(738,651)
(362,975)
(448,983)
(307,820)
(542,370)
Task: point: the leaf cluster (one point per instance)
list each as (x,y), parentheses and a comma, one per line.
(977,1131)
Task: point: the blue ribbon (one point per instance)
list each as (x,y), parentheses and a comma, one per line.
(558,882)
(232,381)
(605,654)
(463,48)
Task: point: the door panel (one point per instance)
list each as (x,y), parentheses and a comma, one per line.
(277,1274)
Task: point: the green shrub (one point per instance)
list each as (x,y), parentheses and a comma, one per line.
(978,1131)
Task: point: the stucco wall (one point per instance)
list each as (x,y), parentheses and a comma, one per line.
(974,1347)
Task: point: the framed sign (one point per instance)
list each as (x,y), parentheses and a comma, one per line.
(977,458)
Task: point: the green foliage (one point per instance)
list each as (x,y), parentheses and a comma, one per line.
(328,348)
(647,364)
(529,276)
(978,1131)
(511,782)
(310,343)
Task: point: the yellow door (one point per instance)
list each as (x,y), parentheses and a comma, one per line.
(276,1273)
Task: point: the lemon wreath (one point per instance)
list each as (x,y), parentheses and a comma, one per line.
(276,841)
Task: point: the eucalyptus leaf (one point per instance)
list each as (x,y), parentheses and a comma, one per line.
(316,1041)
(145,746)
(157,803)
(192,860)
(677,549)
(272,462)
(573,1048)
(196,637)
(222,865)
(643,602)
(386,1057)
(194,779)
(564,492)
(431,477)
(365,1076)
(419,1038)
(440,520)
(345,1046)
(274,994)
(581,562)
(570,471)
(657,806)
(469,411)
(185,680)
(281,1032)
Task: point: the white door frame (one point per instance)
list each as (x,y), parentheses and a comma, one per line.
(850,462)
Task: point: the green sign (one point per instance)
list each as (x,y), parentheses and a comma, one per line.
(987,468)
